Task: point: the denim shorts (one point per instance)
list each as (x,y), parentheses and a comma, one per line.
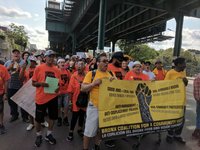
(63,100)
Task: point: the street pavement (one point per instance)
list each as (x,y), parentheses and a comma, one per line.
(17,138)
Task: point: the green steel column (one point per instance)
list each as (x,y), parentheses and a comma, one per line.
(178,37)
(101,28)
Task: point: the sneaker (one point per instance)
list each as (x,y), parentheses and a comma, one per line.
(30,127)
(50,139)
(80,132)
(2,129)
(70,137)
(59,122)
(38,141)
(65,121)
(109,144)
(45,124)
(169,139)
(13,118)
(180,140)
(196,134)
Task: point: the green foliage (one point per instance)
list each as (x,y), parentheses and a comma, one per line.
(138,52)
(18,33)
(144,52)
(2,35)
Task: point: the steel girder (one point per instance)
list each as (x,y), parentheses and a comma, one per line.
(126,19)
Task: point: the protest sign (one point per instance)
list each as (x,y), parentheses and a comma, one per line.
(130,108)
(53,85)
(25,98)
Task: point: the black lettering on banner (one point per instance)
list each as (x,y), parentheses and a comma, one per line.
(49,74)
(120,131)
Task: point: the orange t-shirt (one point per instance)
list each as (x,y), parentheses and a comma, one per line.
(28,74)
(74,88)
(65,77)
(39,75)
(160,74)
(133,76)
(4,76)
(117,71)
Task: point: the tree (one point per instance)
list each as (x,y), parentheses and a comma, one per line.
(138,52)
(18,33)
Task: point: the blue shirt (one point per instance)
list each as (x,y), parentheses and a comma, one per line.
(14,82)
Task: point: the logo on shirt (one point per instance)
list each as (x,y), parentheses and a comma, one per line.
(64,78)
(50,74)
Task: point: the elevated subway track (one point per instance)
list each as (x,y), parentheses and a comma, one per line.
(75,25)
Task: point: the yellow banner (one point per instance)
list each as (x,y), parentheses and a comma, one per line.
(128,108)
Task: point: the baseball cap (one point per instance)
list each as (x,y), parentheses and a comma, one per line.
(60,60)
(32,58)
(136,63)
(67,57)
(118,55)
(15,50)
(49,52)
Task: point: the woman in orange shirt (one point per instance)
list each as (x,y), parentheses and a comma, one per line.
(74,90)
(136,73)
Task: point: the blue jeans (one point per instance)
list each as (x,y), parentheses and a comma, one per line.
(198,115)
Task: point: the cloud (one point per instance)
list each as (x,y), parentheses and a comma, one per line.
(190,40)
(14,13)
(36,15)
(38,36)
(40,31)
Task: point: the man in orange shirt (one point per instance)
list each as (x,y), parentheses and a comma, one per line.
(136,73)
(44,100)
(116,64)
(4,76)
(159,71)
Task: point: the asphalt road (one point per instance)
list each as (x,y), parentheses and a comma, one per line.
(17,138)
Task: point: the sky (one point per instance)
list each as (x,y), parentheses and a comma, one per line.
(31,14)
